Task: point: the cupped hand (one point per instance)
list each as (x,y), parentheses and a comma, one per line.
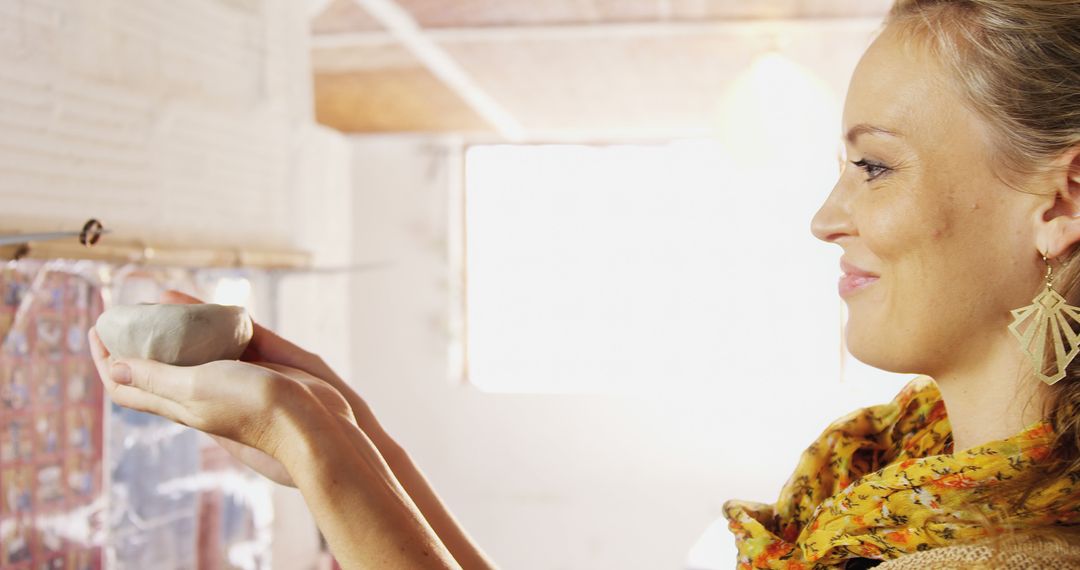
(253,409)
(266,346)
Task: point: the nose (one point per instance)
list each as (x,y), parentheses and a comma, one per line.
(833,219)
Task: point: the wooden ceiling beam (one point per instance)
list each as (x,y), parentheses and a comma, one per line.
(401,26)
(612,30)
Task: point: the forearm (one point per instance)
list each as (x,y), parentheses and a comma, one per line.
(467,553)
(367,517)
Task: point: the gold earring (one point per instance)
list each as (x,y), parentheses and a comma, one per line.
(1049,320)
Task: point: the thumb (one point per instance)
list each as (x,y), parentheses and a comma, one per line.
(149,386)
(152,377)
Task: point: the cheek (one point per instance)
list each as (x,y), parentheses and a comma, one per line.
(903,228)
(913,243)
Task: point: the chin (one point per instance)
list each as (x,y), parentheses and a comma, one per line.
(873,347)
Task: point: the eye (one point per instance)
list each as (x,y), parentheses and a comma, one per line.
(872,169)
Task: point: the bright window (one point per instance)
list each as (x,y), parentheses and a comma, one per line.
(666,269)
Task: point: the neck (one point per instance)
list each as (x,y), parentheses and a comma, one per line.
(992,397)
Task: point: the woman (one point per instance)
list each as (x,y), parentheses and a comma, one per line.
(962,134)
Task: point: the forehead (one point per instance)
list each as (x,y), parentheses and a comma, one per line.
(899,85)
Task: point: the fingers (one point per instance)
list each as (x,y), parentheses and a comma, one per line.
(269,346)
(171,382)
(251,354)
(128,395)
(285,370)
(236,400)
(136,399)
(102,358)
(97,348)
(174,297)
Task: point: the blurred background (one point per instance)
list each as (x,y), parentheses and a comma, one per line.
(561,247)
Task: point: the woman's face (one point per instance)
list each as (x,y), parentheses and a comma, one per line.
(918,204)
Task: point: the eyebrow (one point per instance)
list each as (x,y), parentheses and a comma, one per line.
(865,129)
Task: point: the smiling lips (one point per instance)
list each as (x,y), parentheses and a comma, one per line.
(854,278)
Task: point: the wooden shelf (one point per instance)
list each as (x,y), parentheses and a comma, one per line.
(158,255)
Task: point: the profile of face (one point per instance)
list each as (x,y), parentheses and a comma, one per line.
(921,203)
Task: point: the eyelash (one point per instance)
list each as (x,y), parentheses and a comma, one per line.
(868,166)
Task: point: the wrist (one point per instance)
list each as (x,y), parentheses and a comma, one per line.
(316,443)
(302,427)
(388,447)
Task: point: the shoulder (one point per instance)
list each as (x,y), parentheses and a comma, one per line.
(1028,554)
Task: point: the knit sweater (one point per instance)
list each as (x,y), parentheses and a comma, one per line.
(1020,555)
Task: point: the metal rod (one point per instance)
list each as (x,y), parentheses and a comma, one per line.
(89,235)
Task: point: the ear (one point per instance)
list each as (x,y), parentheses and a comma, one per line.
(1061,229)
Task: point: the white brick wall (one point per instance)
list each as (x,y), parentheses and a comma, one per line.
(181,121)
(170,121)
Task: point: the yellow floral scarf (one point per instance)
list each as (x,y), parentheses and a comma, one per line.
(865,487)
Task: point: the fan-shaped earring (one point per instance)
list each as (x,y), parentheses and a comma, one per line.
(1048,319)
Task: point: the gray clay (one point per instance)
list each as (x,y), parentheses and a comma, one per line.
(182,335)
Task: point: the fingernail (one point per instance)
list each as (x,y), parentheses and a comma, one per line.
(120,373)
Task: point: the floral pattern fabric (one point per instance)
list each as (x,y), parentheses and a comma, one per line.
(866,487)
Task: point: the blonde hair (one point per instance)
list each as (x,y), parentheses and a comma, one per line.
(1016,63)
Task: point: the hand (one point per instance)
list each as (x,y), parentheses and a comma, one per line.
(252,409)
(258,461)
(266,346)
